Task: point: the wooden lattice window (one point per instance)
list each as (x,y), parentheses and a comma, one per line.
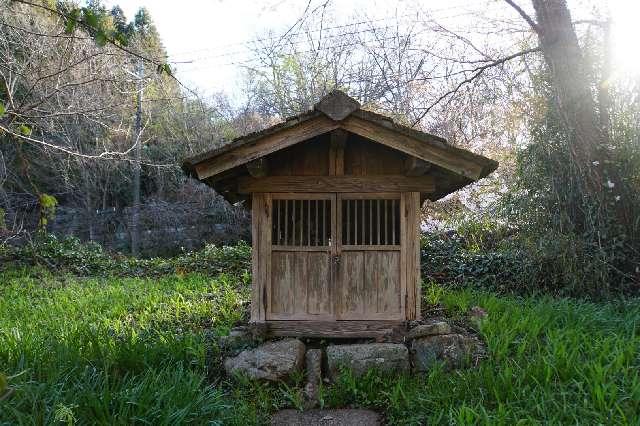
(371,222)
(305,222)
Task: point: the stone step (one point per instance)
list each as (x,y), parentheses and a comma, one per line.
(338,417)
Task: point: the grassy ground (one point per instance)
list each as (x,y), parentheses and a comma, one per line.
(131,350)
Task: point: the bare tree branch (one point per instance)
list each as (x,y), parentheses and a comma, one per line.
(477,72)
(524,15)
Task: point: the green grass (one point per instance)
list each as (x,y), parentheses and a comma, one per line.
(142,351)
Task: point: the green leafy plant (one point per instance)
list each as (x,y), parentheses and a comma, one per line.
(64,414)
(433,293)
(47,204)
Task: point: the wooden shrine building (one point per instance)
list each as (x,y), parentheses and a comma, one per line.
(335,195)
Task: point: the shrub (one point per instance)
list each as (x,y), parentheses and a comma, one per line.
(552,263)
(89,259)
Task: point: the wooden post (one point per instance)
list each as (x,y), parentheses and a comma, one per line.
(336,152)
(260,254)
(411,249)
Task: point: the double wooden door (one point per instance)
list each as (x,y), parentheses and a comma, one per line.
(335,257)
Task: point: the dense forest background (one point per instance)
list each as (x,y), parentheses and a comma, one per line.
(89,102)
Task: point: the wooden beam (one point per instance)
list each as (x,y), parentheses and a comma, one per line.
(335,329)
(258,168)
(415,167)
(336,152)
(264,146)
(436,153)
(380,183)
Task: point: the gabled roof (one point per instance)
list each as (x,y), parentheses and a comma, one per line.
(335,111)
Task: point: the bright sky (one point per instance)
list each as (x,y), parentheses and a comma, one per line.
(212,35)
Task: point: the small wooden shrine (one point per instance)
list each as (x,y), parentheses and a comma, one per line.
(335,195)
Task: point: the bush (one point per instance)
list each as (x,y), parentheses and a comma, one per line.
(507,262)
(89,259)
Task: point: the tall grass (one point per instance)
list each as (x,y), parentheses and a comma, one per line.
(142,351)
(113,351)
(550,361)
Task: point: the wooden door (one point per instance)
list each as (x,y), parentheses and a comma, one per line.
(300,280)
(369,280)
(336,257)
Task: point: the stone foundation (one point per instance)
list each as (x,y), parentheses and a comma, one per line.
(423,345)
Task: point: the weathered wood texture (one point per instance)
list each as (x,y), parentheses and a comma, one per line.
(363,157)
(310,279)
(369,286)
(411,251)
(442,156)
(416,167)
(260,253)
(337,105)
(264,146)
(300,286)
(308,144)
(309,158)
(334,329)
(258,168)
(336,152)
(344,184)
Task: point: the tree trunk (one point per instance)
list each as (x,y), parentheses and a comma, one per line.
(587,126)
(576,106)
(604,92)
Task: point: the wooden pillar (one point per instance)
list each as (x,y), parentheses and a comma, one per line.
(411,251)
(338,139)
(260,254)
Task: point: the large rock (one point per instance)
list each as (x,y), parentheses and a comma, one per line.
(313,369)
(454,350)
(272,361)
(360,358)
(432,329)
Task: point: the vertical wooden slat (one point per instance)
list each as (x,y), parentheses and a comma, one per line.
(317,219)
(276,218)
(356,228)
(370,222)
(293,222)
(393,221)
(301,222)
(348,239)
(362,236)
(378,221)
(286,222)
(324,215)
(308,222)
(386,223)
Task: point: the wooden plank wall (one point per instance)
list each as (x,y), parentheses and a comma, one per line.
(333,155)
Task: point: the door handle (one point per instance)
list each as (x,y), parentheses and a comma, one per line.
(336,260)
